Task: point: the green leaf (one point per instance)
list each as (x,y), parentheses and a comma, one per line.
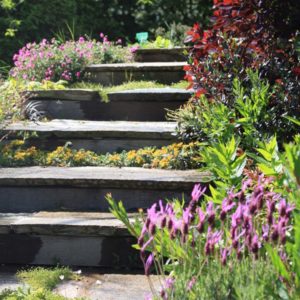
(277,262)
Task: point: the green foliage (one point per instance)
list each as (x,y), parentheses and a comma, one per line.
(247,115)
(11,100)
(117,18)
(223,161)
(241,280)
(41,282)
(28,294)
(176,33)
(160,42)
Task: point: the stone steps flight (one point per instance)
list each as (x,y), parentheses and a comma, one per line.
(54,215)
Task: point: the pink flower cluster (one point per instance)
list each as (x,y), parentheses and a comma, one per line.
(240,226)
(52,60)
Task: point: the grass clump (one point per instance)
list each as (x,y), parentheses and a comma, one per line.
(28,294)
(40,283)
(48,279)
(131,85)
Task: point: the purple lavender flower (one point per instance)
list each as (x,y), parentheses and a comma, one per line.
(148,264)
(211,213)
(201,214)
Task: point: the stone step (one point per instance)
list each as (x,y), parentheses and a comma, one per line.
(115,74)
(31,189)
(73,239)
(132,105)
(98,136)
(161,55)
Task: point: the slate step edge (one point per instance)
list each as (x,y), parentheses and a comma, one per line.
(152,66)
(62,223)
(111,177)
(95,129)
(153,94)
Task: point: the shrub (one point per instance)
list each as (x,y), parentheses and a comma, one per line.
(247,34)
(56,61)
(248,115)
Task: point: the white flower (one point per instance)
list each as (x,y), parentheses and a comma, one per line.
(61,277)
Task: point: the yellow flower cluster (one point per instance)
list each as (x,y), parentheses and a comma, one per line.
(64,156)
(175,156)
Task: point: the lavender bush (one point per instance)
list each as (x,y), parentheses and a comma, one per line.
(196,242)
(52,60)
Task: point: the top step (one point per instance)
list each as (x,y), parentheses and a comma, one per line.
(116,74)
(162,55)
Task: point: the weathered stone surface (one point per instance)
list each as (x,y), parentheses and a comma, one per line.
(98,136)
(90,251)
(95,176)
(84,189)
(62,223)
(114,74)
(66,238)
(160,55)
(95,286)
(131,105)
(96,129)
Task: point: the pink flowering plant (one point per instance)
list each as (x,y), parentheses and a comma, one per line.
(54,61)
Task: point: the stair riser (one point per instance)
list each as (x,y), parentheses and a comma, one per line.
(99,111)
(21,199)
(88,251)
(116,77)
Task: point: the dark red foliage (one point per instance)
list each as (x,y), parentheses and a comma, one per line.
(257,34)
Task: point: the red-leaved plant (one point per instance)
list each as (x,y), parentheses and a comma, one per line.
(245,34)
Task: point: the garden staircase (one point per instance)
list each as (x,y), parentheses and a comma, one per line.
(59,215)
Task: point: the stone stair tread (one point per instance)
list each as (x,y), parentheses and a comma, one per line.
(95,176)
(138,66)
(62,223)
(99,128)
(155,94)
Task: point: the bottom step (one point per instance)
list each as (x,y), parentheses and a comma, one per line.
(73,239)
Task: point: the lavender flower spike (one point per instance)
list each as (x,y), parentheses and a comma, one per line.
(197,192)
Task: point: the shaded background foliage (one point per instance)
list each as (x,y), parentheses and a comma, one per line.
(34,20)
